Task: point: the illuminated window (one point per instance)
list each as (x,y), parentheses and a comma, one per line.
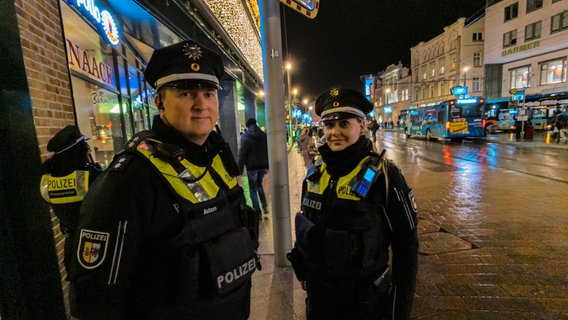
(532,31)
(510,39)
(520,77)
(553,71)
(512,11)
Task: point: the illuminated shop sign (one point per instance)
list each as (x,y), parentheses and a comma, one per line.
(521,48)
(89,63)
(369,89)
(101,18)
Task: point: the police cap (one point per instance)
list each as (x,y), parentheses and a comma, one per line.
(185,64)
(340,103)
(65,139)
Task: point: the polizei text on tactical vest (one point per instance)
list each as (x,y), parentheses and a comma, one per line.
(311,203)
(61,183)
(236,273)
(346,191)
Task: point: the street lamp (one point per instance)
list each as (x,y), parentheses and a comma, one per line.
(464,76)
(288,68)
(387,116)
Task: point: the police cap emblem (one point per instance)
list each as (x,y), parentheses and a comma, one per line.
(340,103)
(185,65)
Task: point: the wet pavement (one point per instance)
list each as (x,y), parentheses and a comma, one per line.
(509,264)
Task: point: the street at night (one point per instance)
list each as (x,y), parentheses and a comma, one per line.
(493,231)
(136,130)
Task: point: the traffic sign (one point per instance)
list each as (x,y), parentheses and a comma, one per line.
(308,8)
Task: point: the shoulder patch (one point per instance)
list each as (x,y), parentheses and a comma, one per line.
(92,248)
(121,162)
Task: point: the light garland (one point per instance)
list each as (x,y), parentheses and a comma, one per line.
(234,18)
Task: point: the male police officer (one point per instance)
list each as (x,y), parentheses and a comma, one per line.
(165,233)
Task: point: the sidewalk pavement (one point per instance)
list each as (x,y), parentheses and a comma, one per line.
(276,293)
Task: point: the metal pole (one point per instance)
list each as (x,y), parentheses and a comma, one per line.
(276,127)
(289,103)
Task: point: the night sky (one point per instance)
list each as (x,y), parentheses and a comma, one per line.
(351,38)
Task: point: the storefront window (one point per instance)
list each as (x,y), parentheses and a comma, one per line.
(520,78)
(122,76)
(98,115)
(127,117)
(553,72)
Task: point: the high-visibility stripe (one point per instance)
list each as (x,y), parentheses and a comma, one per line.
(195,183)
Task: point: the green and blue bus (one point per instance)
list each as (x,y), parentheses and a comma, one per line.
(449,120)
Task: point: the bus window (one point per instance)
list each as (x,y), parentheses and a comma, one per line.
(507,119)
(471,110)
(455,112)
(539,118)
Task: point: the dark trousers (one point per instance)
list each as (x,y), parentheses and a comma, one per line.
(256,191)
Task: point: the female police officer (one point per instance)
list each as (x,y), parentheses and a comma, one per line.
(164,232)
(355,205)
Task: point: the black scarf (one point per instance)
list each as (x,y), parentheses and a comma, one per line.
(340,163)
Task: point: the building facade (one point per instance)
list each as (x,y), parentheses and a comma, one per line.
(527,50)
(453,58)
(392,92)
(82,64)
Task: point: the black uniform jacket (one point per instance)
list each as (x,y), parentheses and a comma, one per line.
(387,217)
(133,268)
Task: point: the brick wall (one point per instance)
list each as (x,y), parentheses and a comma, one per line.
(42,38)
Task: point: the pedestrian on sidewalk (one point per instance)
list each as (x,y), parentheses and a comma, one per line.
(307,145)
(355,205)
(373,127)
(561,124)
(164,232)
(66,178)
(253,154)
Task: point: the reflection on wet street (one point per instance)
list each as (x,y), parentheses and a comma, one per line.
(494,221)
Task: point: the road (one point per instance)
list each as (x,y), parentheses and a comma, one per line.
(493,228)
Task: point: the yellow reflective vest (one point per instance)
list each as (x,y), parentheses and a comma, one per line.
(67,189)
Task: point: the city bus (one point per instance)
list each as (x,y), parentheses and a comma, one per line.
(449,120)
(403,118)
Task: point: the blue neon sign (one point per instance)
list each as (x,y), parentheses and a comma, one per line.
(101,18)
